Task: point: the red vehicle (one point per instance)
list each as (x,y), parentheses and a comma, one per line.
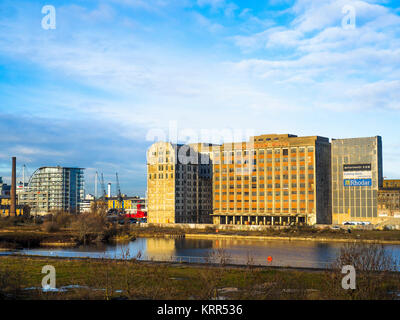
(138,215)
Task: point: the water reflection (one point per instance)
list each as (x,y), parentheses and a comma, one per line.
(282,253)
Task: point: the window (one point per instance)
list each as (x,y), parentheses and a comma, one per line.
(285,152)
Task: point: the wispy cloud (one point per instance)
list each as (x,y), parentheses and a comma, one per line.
(87,93)
(349,64)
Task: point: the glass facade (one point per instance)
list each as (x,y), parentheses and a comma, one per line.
(54,188)
(358,200)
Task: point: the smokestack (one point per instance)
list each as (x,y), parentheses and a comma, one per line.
(13,211)
(109,190)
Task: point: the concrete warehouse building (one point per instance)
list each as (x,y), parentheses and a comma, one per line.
(272,179)
(54,188)
(391,184)
(179,187)
(356,179)
(389,202)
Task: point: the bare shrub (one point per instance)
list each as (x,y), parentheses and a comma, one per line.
(10,283)
(50,226)
(212,276)
(88,227)
(91,225)
(373,266)
(218,256)
(6,222)
(62,218)
(365,257)
(210,280)
(99,208)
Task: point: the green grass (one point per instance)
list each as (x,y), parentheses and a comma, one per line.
(143,280)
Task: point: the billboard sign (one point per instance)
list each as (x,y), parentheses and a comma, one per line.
(357,175)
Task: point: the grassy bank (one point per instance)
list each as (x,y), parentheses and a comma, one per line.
(61,229)
(31,235)
(304,233)
(28,236)
(131,279)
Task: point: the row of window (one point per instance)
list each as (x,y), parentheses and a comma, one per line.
(261,186)
(284,210)
(269,193)
(269,201)
(285,151)
(269,177)
(284,168)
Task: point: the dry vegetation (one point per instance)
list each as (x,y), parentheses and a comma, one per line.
(61,227)
(129,278)
(374,272)
(310,232)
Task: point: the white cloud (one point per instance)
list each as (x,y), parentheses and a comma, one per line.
(228,8)
(207,23)
(354,68)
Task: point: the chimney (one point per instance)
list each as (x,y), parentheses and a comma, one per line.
(13,194)
(109,190)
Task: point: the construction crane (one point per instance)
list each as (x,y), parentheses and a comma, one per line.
(103,189)
(119,195)
(118,188)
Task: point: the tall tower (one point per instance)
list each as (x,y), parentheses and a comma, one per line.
(13,194)
(109,190)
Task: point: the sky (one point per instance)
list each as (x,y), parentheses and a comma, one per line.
(114,76)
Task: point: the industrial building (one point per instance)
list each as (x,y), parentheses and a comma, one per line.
(389,201)
(391,184)
(126,204)
(4,189)
(272,179)
(8,197)
(5,205)
(356,179)
(179,185)
(54,188)
(86,203)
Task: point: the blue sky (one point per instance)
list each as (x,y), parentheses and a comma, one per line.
(90,92)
